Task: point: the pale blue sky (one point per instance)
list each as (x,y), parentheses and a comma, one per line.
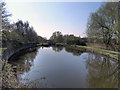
(47,17)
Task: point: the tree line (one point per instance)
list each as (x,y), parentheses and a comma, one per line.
(18,33)
(102,27)
(58,37)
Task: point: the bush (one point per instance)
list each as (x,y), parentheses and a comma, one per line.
(75,41)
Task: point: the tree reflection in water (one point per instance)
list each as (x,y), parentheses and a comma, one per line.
(57,49)
(75,52)
(24,63)
(102,72)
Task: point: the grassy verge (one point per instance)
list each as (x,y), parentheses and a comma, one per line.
(44,44)
(112,54)
(59,44)
(101,50)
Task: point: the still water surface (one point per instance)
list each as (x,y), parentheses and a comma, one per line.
(52,67)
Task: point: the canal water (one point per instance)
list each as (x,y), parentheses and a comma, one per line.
(59,67)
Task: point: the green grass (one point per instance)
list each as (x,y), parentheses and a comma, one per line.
(101,50)
(59,44)
(45,43)
(105,49)
(42,44)
(108,52)
(39,44)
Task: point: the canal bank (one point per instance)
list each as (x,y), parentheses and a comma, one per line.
(9,79)
(108,53)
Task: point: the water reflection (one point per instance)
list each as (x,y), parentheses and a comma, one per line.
(57,49)
(102,72)
(75,52)
(24,61)
(80,70)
